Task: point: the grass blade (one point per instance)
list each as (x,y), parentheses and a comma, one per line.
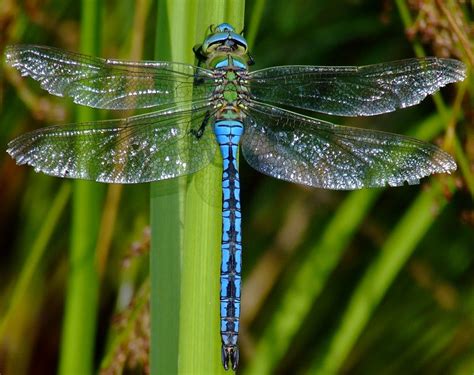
(80,320)
(38,249)
(186,227)
(378,278)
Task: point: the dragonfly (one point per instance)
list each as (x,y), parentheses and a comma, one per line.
(217,106)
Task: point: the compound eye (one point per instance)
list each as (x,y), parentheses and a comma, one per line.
(224,27)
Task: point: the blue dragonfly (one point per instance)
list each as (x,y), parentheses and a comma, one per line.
(219,105)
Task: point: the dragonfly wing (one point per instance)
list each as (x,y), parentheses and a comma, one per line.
(355,91)
(307,151)
(144,148)
(109,84)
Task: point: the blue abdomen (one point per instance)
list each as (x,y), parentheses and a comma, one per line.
(228,133)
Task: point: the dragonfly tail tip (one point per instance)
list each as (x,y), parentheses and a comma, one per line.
(230,354)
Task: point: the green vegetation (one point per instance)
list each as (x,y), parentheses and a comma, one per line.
(367,282)
(186,260)
(79,328)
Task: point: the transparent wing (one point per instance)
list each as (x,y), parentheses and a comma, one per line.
(307,151)
(109,84)
(144,148)
(355,91)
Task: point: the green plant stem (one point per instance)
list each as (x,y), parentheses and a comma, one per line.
(80,317)
(254,23)
(30,268)
(186,226)
(166,220)
(376,281)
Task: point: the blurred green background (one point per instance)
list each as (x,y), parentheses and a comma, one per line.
(369,282)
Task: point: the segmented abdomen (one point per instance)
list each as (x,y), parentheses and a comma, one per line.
(228,133)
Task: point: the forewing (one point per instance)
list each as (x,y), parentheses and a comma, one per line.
(109,84)
(307,151)
(355,91)
(144,148)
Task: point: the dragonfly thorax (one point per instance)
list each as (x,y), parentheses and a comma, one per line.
(231,93)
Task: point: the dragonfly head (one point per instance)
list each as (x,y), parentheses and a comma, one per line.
(223,40)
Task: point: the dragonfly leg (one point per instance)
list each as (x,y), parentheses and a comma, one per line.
(250,60)
(199,132)
(199,54)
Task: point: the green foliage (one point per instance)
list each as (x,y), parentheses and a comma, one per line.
(370,282)
(186,227)
(80,312)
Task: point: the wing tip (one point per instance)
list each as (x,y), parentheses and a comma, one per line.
(10,151)
(15,57)
(10,55)
(19,158)
(449,165)
(17,149)
(15,154)
(13,52)
(457,69)
(443,162)
(11,146)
